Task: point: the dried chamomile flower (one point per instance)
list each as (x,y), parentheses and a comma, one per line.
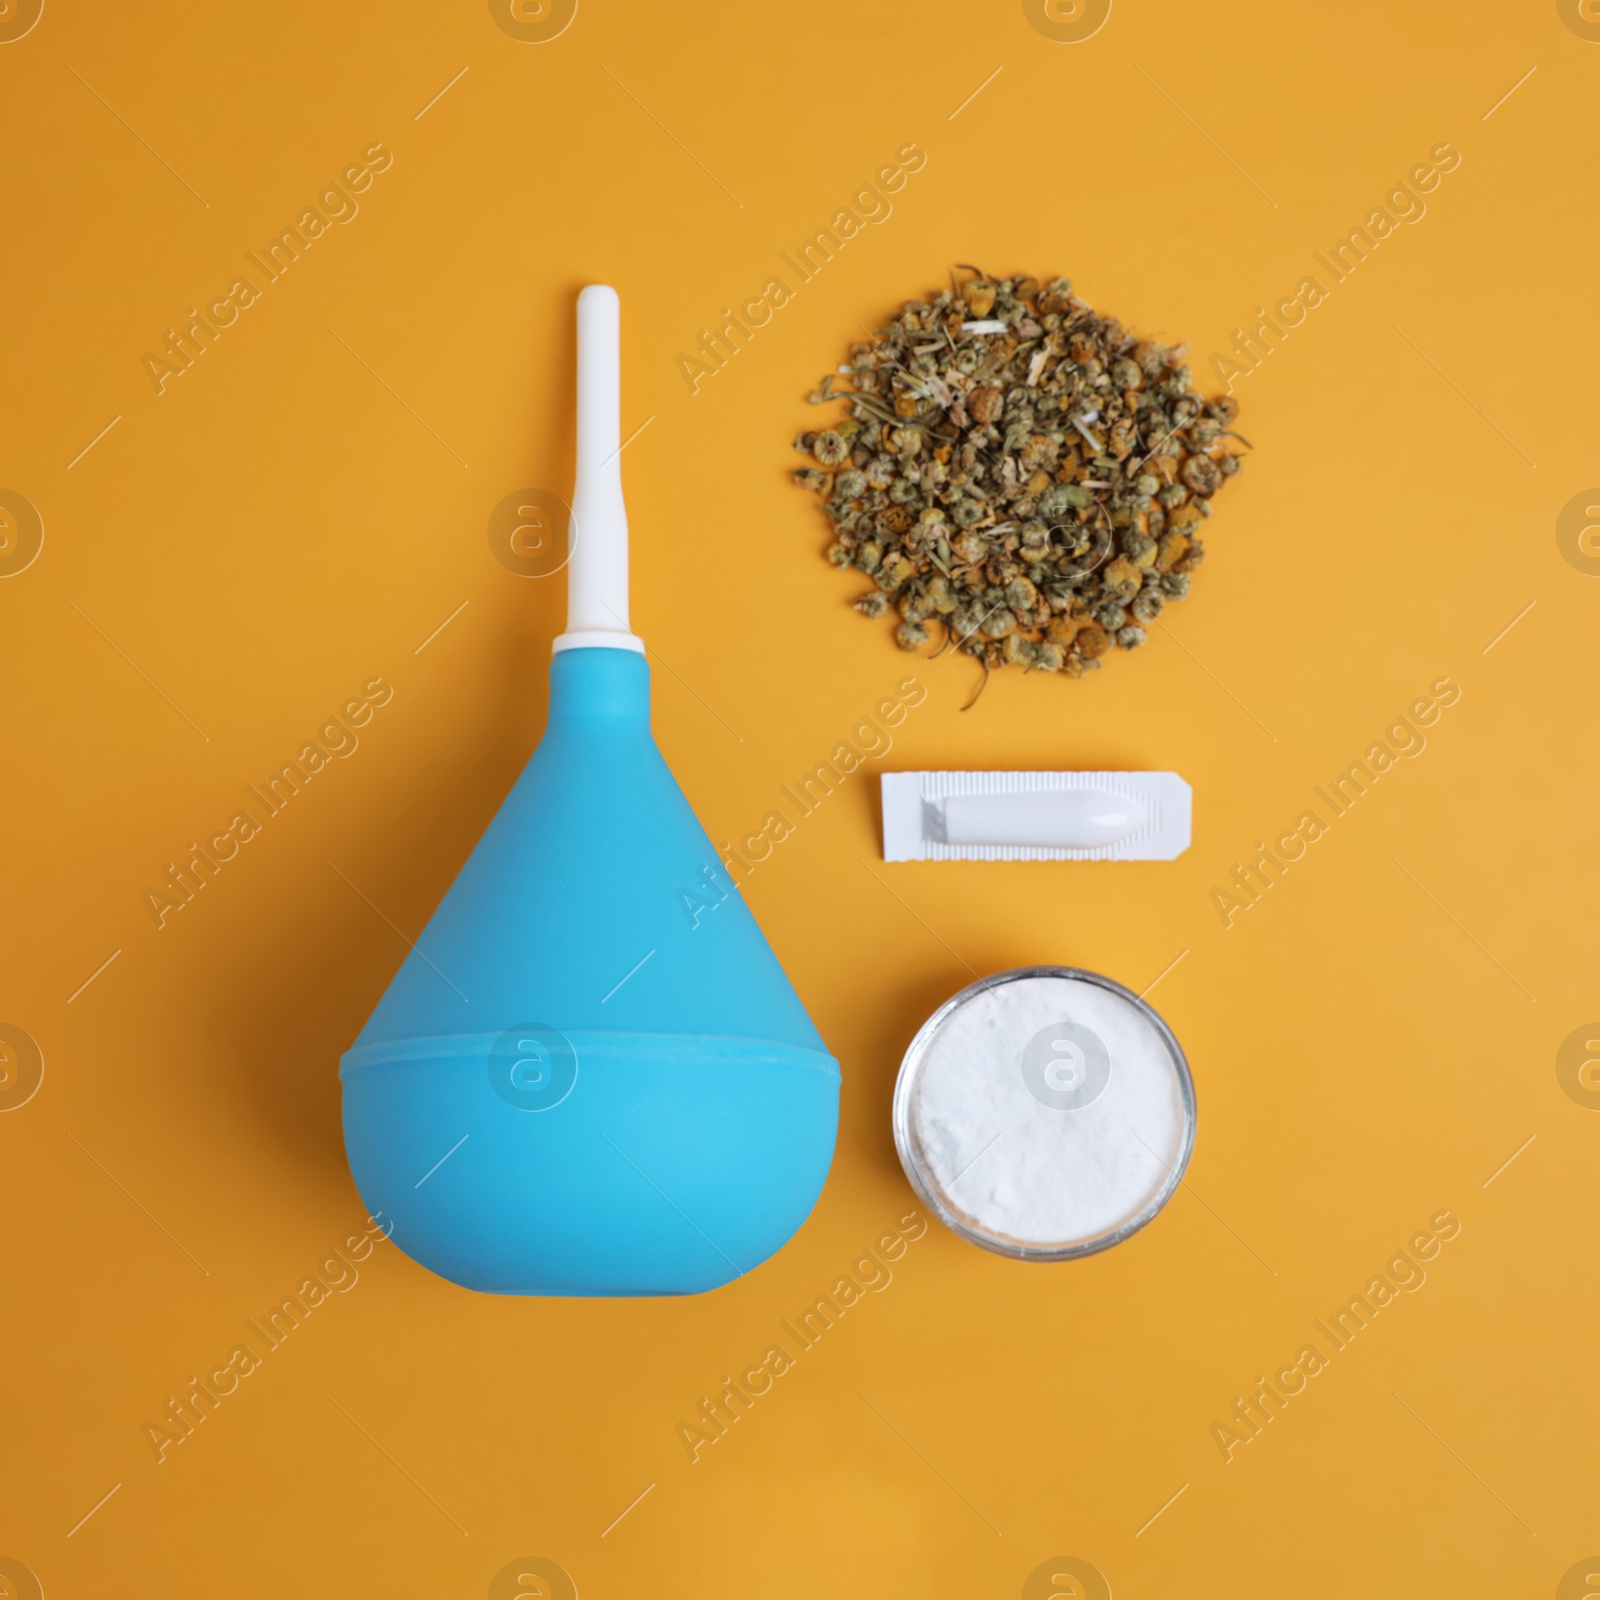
(1021,595)
(1171,549)
(1036,542)
(894,571)
(1139,548)
(1121,579)
(1018,471)
(1201,474)
(829,448)
(1092,641)
(979,298)
(966,621)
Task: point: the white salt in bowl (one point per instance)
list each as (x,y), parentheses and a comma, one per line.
(1044,1113)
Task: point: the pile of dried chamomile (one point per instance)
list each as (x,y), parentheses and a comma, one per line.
(1019,470)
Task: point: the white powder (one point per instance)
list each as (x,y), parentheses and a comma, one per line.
(1047,1112)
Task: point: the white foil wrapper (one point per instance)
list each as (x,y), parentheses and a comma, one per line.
(1035,816)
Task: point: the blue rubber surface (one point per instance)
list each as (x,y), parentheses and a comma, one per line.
(630,1097)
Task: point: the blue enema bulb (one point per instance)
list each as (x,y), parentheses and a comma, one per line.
(572,1086)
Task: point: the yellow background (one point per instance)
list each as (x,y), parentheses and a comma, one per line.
(235,557)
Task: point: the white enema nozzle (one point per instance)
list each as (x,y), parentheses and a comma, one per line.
(597,536)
